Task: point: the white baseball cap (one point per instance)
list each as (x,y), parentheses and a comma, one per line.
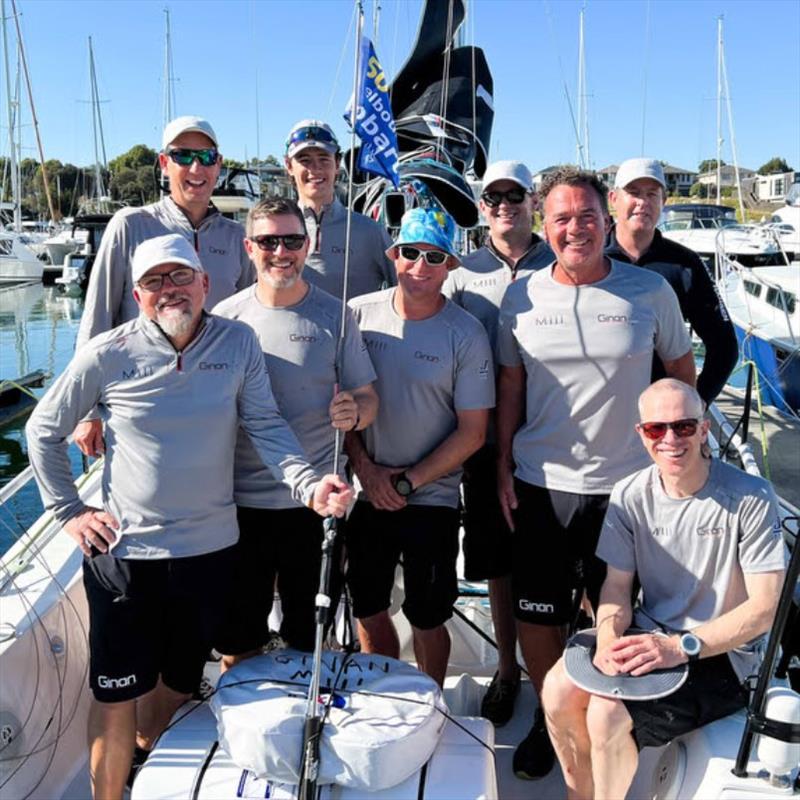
(635,168)
(508,171)
(311,133)
(170,249)
(187,125)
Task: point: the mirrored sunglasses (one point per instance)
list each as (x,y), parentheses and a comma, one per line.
(207,156)
(269,242)
(514,196)
(433,258)
(178,277)
(311,134)
(658,430)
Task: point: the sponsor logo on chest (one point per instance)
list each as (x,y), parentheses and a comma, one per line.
(136,373)
(217,251)
(213,365)
(302,337)
(548,320)
(429,357)
(613,318)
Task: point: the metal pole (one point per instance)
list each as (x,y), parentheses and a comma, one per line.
(312,729)
(719,110)
(16,189)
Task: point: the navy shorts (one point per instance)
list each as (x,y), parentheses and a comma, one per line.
(152,617)
(275,542)
(711,691)
(487,539)
(554,545)
(426,537)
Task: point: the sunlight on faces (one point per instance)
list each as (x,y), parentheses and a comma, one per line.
(190,186)
(279,268)
(508,218)
(669,400)
(176,309)
(638,206)
(314,172)
(575,226)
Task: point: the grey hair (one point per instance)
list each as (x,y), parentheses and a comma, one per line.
(674,385)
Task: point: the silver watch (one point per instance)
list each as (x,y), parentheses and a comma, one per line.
(691,646)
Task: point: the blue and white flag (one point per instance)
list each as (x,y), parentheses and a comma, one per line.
(374,119)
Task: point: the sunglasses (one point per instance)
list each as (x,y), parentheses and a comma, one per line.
(269,242)
(433,258)
(311,134)
(182,276)
(514,196)
(658,430)
(184,156)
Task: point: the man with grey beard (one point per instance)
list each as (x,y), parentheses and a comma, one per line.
(173,387)
(298,326)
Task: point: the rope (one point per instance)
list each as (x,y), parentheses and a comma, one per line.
(9,384)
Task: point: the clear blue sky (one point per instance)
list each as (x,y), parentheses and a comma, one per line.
(281,57)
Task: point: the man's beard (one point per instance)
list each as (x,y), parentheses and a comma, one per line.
(175,322)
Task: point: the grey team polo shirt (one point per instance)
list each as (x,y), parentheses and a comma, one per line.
(587,353)
(219,243)
(299,345)
(427,371)
(479,284)
(171,421)
(691,553)
(370,268)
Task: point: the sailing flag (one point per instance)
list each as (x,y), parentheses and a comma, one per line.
(374,122)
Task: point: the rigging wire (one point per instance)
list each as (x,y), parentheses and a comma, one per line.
(342,54)
(645,72)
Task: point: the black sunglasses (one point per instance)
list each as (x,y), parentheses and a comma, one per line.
(182,276)
(658,430)
(207,156)
(269,242)
(433,258)
(514,196)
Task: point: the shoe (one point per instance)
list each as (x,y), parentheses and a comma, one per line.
(534,756)
(498,702)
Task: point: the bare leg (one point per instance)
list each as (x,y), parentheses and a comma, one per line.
(505,629)
(432,649)
(377,634)
(112,734)
(614,753)
(542,646)
(226,662)
(565,709)
(154,711)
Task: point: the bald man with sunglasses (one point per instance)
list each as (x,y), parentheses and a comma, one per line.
(704,539)
(191,161)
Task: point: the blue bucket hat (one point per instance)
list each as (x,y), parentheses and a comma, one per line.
(428,226)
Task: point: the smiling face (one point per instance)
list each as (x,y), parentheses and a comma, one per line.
(419,281)
(279,268)
(575,226)
(508,219)
(314,172)
(638,206)
(176,309)
(673,455)
(191,187)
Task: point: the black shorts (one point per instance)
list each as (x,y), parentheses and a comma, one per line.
(427,539)
(487,539)
(554,545)
(282,542)
(711,691)
(152,617)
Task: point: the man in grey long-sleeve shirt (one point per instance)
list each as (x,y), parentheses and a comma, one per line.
(191,160)
(172,386)
(312,161)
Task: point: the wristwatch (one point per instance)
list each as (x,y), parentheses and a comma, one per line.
(691,646)
(402,484)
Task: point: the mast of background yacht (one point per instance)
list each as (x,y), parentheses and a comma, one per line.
(97,126)
(15,188)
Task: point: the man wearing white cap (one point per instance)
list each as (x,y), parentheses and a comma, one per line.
(511,250)
(190,159)
(312,160)
(436,385)
(637,199)
(173,386)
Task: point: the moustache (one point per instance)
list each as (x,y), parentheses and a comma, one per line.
(171,298)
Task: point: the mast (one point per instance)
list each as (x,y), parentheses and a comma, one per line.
(15,187)
(21,50)
(719,109)
(97,124)
(582,147)
(169,75)
(731,133)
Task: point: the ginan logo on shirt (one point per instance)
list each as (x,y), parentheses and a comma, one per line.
(212,365)
(710,530)
(612,318)
(426,357)
(300,337)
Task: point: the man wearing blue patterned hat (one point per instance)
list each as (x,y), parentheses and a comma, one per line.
(436,384)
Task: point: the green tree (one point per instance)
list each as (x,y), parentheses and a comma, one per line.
(698,190)
(140,155)
(709,165)
(774,165)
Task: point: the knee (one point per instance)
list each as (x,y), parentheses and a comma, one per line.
(560,696)
(606,721)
